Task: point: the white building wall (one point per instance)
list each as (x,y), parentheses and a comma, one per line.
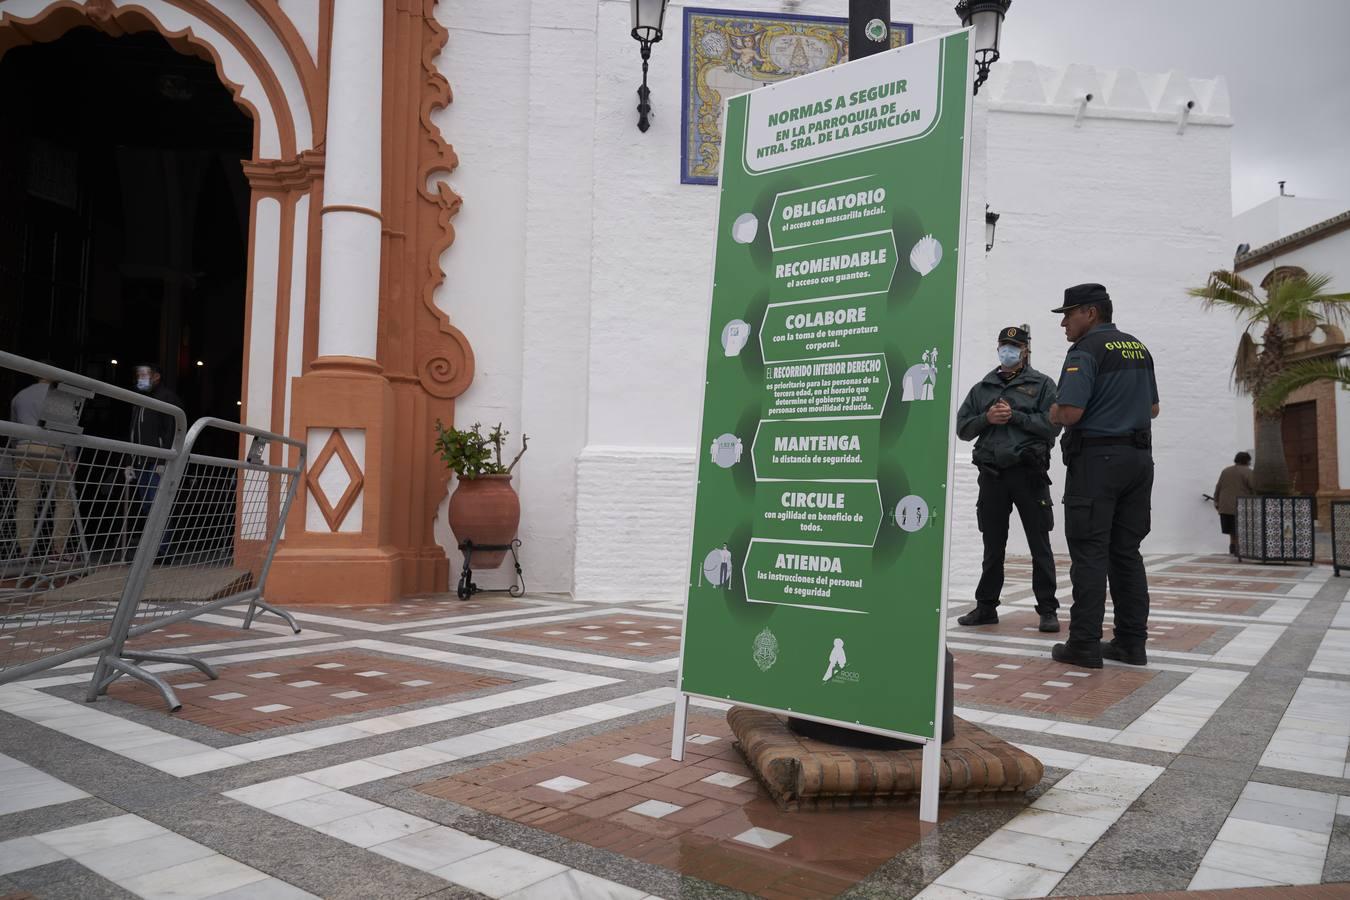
(598,340)
(1122,199)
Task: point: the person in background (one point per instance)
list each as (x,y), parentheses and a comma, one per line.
(1234,481)
(151,429)
(36,464)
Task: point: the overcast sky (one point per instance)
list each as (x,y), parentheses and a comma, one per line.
(1287,63)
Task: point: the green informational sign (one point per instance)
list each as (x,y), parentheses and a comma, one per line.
(819,557)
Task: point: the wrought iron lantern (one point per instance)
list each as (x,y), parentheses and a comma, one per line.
(987,17)
(990,223)
(648,19)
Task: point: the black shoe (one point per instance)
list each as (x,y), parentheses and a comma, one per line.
(1073,656)
(1131,656)
(1049,622)
(980,615)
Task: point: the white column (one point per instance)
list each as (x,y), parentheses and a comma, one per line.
(349,291)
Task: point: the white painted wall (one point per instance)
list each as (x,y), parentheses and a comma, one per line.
(581,267)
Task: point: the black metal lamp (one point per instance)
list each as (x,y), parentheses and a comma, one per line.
(990,223)
(987,17)
(648,18)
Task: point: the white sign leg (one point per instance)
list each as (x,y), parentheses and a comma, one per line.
(677,727)
(929,781)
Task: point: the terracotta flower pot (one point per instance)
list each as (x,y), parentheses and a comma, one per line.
(485,510)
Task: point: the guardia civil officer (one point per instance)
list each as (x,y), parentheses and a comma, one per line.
(1007,414)
(1108,397)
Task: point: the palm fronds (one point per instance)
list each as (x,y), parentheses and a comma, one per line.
(1300,375)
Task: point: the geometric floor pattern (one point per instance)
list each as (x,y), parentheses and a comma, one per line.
(519,748)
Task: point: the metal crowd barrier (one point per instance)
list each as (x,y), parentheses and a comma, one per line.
(1275,529)
(1340,536)
(102,540)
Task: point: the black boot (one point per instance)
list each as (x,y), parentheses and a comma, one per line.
(1077,656)
(1049,622)
(980,615)
(1131,656)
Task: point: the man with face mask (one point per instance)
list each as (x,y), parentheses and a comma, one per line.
(1008,416)
(151,429)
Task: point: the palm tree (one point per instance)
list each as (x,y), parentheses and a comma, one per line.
(1300,375)
(1292,297)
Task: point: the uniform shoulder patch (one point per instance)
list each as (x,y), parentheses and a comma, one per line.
(1029,389)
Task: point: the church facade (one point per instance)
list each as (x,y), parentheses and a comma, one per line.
(526,255)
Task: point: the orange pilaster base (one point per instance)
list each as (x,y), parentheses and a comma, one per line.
(323,575)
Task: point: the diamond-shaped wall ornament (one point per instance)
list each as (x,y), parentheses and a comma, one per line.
(334,513)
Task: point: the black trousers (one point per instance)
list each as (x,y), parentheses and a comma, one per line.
(1029,491)
(1107,500)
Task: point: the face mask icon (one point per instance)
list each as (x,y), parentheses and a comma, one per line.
(734,337)
(744,229)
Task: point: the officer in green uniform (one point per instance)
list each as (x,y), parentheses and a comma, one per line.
(1007,414)
(1108,397)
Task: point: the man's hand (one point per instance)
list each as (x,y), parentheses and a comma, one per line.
(1065,416)
(1000,413)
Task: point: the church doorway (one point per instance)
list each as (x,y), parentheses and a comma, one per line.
(124,217)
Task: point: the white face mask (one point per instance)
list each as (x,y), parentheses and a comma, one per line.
(143,382)
(1009,356)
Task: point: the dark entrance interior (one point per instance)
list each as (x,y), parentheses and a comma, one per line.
(1300,446)
(123,217)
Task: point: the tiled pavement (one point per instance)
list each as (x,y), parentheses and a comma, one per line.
(519,748)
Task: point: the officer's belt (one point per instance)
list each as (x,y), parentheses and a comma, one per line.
(1115,440)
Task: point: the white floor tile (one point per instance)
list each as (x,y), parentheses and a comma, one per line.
(433,848)
(345,775)
(1293,841)
(1305,819)
(126,861)
(999,879)
(1103,809)
(725,779)
(1017,847)
(563,784)
(412,759)
(1287,796)
(655,809)
(1059,826)
(80,839)
(576,885)
(25,853)
(194,880)
(500,871)
(637,760)
(267,794)
(267,889)
(1209,879)
(323,808)
(369,829)
(1264,863)
(762,837)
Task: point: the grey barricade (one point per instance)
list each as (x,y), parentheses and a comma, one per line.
(71,505)
(209,545)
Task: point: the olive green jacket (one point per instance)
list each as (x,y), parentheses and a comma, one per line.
(1028,436)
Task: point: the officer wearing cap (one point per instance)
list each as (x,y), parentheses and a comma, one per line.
(1007,414)
(1108,398)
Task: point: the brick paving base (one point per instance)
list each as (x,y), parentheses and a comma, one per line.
(434,606)
(271,693)
(705,817)
(623,634)
(1040,685)
(802,773)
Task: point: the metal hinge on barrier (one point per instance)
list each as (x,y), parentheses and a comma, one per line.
(62,407)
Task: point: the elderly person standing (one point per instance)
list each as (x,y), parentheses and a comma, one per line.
(35,465)
(1234,481)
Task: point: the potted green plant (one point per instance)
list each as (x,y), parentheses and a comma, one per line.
(484,508)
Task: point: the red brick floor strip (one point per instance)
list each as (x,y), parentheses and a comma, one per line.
(301,689)
(627,635)
(1034,684)
(710,811)
(435,606)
